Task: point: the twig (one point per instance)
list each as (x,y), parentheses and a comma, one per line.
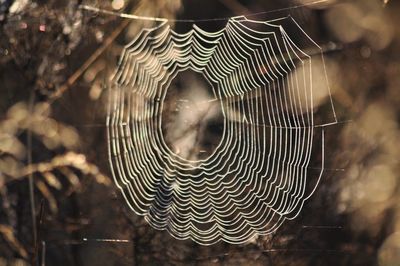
(78,73)
(38,234)
(30,178)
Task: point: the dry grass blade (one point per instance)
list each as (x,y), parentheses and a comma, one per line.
(71,176)
(52,180)
(48,195)
(70,159)
(8,233)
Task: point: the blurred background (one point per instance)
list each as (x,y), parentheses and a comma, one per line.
(58,204)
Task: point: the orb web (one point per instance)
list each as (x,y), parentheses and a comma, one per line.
(258,175)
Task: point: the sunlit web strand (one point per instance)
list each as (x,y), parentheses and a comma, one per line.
(157,19)
(257,176)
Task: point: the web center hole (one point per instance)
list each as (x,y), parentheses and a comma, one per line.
(192,119)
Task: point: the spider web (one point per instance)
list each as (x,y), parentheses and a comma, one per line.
(258,175)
